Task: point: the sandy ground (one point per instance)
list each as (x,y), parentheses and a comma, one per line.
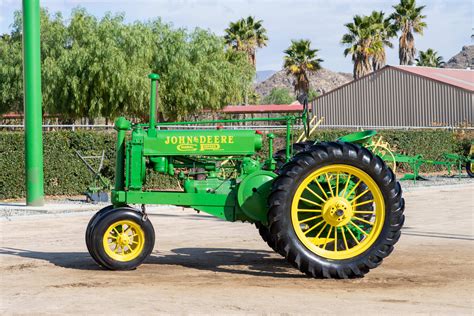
(202,265)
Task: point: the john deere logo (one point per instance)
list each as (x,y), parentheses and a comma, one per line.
(201,143)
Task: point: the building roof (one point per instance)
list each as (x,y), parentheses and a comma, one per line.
(263,108)
(461,78)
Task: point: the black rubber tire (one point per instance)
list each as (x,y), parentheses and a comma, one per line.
(280,155)
(295,172)
(264,232)
(103,222)
(91,224)
(469,171)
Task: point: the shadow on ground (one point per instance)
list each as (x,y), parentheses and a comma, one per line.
(228,260)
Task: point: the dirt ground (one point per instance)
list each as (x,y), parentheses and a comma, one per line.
(202,265)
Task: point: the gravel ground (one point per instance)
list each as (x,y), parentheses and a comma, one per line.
(436,180)
(202,265)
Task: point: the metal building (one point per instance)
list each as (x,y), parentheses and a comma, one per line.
(402,96)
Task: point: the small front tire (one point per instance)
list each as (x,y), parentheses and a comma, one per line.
(121,239)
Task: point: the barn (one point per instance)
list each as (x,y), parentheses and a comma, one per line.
(402,96)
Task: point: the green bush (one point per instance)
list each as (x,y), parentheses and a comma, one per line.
(65,174)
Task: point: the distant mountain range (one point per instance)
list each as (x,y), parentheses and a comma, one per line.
(263,75)
(462,60)
(323,81)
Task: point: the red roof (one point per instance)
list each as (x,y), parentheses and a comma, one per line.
(268,108)
(462,78)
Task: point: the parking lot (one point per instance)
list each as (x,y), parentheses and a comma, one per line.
(204,265)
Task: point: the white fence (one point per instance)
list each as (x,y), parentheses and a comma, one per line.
(237,127)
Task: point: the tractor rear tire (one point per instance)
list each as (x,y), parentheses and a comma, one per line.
(267,237)
(361,244)
(121,239)
(280,155)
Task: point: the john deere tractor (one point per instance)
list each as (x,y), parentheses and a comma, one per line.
(332,209)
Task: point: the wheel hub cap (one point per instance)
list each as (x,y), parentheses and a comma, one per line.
(123,240)
(337,211)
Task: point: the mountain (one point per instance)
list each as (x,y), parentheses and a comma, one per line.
(263,75)
(324,80)
(463,60)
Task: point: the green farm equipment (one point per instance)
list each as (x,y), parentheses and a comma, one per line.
(333,209)
(382,149)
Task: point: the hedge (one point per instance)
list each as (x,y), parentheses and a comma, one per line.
(65,174)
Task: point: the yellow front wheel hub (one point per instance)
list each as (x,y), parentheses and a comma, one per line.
(124,240)
(338,212)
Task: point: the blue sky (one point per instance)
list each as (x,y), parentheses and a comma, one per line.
(450,22)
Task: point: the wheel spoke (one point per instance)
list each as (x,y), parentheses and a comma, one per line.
(310,219)
(329,184)
(318,224)
(363,203)
(310,202)
(364,212)
(354,199)
(353,189)
(307,210)
(335,239)
(116,231)
(327,237)
(352,234)
(315,194)
(337,184)
(344,238)
(353,224)
(347,184)
(363,220)
(321,188)
(317,236)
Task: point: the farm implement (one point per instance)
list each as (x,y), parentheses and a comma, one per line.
(332,209)
(383,149)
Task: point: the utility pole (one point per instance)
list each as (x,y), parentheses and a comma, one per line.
(32,104)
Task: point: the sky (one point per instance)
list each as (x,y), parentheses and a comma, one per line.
(450,22)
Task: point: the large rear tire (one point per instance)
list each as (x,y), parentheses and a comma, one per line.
(280,155)
(267,237)
(323,224)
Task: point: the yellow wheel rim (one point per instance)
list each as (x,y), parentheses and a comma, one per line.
(124,240)
(338,212)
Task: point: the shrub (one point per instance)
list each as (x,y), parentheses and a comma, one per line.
(65,174)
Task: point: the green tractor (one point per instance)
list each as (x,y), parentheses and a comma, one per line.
(332,209)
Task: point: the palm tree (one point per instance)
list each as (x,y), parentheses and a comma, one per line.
(430,58)
(359,41)
(366,40)
(408,19)
(246,35)
(384,30)
(300,62)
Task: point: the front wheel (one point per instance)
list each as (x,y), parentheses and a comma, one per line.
(336,211)
(121,239)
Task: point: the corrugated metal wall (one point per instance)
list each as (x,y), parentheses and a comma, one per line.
(395,98)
